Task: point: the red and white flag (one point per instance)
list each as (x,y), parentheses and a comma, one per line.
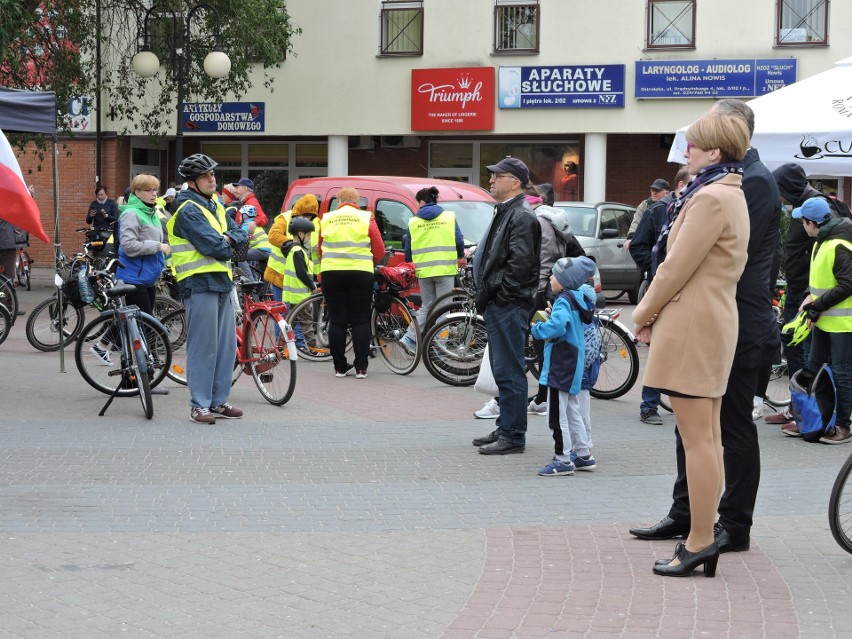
(18,206)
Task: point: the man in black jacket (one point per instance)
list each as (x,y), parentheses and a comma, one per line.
(650,226)
(506,269)
(757,343)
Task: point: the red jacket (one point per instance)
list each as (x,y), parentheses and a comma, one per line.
(260,218)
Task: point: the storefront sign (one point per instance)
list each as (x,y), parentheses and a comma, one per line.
(712,78)
(578,87)
(223,117)
(452,99)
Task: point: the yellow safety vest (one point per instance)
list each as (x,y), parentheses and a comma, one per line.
(838,318)
(186,259)
(293,289)
(346,240)
(433,245)
(260,240)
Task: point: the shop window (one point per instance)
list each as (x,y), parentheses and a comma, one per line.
(516,26)
(545,161)
(671,24)
(802,22)
(451,155)
(402,28)
(312,155)
(225,154)
(268,155)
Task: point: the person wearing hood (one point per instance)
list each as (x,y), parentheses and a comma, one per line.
(795,190)
(829,305)
(434,242)
(282,241)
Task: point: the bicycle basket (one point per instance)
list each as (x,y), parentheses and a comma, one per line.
(396,278)
(239,252)
(71,289)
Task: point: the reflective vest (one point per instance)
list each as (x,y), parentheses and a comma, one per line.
(293,289)
(346,240)
(433,245)
(838,318)
(260,240)
(186,259)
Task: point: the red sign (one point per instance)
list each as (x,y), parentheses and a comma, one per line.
(452,99)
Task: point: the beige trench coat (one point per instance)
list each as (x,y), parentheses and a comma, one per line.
(691,303)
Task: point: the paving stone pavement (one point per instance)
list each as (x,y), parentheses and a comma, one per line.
(360,509)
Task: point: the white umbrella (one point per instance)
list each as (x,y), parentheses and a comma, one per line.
(808,122)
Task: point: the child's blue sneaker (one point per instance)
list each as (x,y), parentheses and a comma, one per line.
(572,456)
(584,463)
(557,468)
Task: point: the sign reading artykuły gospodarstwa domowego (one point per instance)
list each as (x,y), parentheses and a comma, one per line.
(223,117)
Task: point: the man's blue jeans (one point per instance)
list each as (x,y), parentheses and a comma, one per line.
(507,334)
(650,400)
(836,350)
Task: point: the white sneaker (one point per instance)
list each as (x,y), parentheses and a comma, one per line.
(491,410)
(101,354)
(537,409)
(757,411)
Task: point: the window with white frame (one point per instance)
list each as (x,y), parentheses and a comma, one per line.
(402,28)
(802,22)
(516,26)
(671,24)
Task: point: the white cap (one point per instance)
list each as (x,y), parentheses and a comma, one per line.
(170,193)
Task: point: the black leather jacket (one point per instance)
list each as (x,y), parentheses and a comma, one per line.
(509,268)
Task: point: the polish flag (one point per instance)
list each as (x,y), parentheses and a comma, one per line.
(18,207)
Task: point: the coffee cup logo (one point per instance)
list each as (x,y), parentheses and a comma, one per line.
(809,148)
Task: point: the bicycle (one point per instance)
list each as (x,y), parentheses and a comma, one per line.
(22,267)
(266,346)
(9,298)
(390,319)
(142,344)
(5,324)
(840,507)
(619,368)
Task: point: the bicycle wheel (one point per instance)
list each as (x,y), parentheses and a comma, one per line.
(778,389)
(8,297)
(140,373)
(27,276)
(453,349)
(619,362)
(309,318)
(5,324)
(272,368)
(43,331)
(164,305)
(103,373)
(449,302)
(840,508)
(175,325)
(388,327)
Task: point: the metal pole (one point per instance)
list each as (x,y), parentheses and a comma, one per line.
(98,177)
(179,132)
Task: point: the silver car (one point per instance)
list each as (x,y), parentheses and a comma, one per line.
(601,228)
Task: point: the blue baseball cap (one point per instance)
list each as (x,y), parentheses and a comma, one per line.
(815,209)
(245,182)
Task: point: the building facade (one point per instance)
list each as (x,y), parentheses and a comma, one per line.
(588,94)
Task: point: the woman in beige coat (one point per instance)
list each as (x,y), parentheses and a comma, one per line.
(689,318)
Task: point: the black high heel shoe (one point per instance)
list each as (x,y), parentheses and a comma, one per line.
(689,561)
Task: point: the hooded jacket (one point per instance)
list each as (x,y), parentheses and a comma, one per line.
(140,237)
(430,212)
(836,229)
(794,188)
(557,240)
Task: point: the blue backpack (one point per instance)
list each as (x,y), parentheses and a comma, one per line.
(814,400)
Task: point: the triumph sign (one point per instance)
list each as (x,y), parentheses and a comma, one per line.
(452,99)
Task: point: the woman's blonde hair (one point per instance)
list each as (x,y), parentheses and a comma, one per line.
(143,182)
(723,131)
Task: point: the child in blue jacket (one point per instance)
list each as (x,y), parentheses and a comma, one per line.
(563,367)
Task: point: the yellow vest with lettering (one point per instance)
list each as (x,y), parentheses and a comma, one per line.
(186,259)
(433,245)
(838,318)
(346,240)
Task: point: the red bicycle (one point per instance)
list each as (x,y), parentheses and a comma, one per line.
(266,344)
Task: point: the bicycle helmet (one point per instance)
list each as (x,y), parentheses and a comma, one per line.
(796,331)
(302,224)
(195,165)
(247,210)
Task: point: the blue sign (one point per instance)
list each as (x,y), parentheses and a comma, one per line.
(223,117)
(578,87)
(712,78)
